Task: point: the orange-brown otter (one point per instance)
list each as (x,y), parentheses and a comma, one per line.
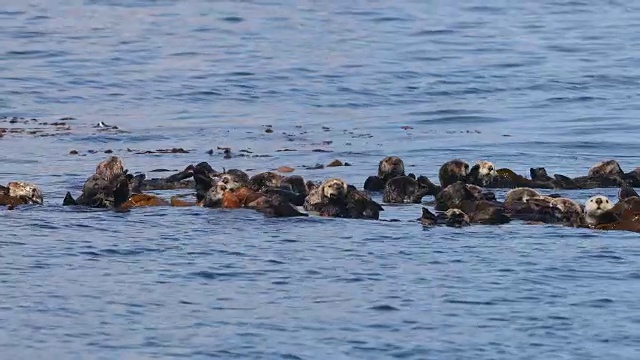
(452,172)
(18,193)
(143,200)
(388,168)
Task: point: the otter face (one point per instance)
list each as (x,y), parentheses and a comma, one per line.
(391,166)
(456,218)
(110,169)
(334,189)
(606,168)
(25,190)
(229,181)
(596,206)
(487,171)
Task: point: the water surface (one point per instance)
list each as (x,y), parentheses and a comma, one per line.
(544,83)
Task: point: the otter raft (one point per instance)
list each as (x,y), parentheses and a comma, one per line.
(464,197)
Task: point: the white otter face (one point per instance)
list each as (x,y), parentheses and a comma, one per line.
(25,190)
(457,215)
(486,172)
(595,206)
(229,182)
(216,193)
(391,165)
(334,189)
(606,168)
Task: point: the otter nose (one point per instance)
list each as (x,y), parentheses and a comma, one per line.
(598,201)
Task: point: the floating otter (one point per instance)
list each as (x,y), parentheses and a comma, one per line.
(482,173)
(19,193)
(334,198)
(453,195)
(388,168)
(452,172)
(451,218)
(601,214)
(521,194)
(108,187)
(572,212)
(179,180)
(606,168)
(264,180)
(402,189)
(291,189)
(597,206)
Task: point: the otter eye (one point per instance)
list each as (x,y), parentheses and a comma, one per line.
(607,201)
(490,168)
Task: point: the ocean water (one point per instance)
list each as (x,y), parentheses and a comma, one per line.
(523,84)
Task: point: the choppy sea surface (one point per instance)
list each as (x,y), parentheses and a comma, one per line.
(523,84)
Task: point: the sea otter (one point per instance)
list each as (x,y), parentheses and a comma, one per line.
(451,218)
(271,205)
(388,168)
(521,194)
(292,189)
(401,189)
(334,198)
(18,193)
(482,173)
(453,195)
(452,172)
(601,214)
(179,180)
(108,187)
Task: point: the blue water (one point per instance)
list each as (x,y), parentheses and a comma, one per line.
(531,83)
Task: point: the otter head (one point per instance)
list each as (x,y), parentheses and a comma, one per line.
(27,191)
(606,168)
(214,196)
(456,218)
(486,172)
(596,206)
(452,172)
(390,167)
(230,181)
(334,189)
(110,169)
